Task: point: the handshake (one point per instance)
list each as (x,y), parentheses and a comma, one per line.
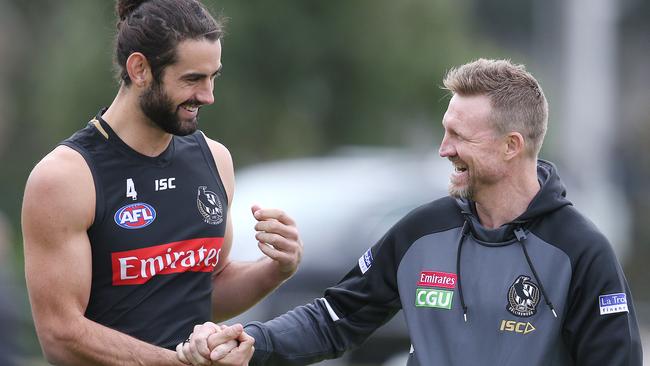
(216,345)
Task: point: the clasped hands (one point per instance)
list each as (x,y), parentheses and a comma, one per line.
(211,344)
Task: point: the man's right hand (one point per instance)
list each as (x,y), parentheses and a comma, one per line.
(214,345)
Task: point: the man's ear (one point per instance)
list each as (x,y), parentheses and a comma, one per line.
(514,145)
(138,69)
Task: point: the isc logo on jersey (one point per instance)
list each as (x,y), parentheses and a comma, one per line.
(135,215)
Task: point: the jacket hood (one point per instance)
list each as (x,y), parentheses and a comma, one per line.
(551,197)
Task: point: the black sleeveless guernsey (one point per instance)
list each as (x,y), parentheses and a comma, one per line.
(157,234)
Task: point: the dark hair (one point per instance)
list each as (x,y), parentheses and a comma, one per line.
(156,27)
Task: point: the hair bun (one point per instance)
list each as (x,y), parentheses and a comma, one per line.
(126,7)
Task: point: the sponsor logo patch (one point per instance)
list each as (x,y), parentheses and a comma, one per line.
(523,297)
(209,206)
(135,216)
(612,303)
(135,267)
(433,298)
(516,327)
(365,261)
(437,279)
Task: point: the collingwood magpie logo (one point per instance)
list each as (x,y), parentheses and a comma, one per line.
(523,297)
(209,206)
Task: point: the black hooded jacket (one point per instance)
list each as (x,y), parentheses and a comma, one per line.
(544,289)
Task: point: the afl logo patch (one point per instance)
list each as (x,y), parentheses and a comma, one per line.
(523,297)
(209,206)
(135,216)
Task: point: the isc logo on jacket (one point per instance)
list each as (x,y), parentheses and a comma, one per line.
(516,327)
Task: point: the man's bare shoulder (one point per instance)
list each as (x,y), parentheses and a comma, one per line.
(219,150)
(61,182)
(62,165)
(223,159)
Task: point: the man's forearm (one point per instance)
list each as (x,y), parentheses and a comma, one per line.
(302,336)
(240,285)
(88,343)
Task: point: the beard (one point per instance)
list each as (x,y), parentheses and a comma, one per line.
(466,191)
(159,108)
(478,178)
(461,192)
(461,187)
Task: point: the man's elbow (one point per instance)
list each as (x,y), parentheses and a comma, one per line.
(57,343)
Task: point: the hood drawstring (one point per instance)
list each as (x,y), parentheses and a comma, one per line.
(521,236)
(463,233)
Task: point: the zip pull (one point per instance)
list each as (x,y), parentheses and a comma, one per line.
(520,234)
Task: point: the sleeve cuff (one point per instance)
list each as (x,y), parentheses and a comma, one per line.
(263,347)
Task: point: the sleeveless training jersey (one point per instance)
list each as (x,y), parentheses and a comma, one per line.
(157,234)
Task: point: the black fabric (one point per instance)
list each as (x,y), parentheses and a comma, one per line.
(152,281)
(590,336)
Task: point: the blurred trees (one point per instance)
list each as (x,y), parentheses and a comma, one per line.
(300,77)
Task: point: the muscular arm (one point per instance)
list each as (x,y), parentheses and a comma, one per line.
(58,208)
(240,285)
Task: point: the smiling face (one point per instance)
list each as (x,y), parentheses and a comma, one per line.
(173,103)
(473,146)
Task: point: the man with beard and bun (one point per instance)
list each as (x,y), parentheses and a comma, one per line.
(503,272)
(125,223)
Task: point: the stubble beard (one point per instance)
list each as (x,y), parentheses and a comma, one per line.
(463,189)
(476,177)
(465,192)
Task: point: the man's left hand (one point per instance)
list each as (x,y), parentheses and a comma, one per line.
(278,239)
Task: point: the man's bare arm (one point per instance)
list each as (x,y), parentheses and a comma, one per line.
(240,285)
(58,208)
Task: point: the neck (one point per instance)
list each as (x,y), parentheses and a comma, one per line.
(134,128)
(510,197)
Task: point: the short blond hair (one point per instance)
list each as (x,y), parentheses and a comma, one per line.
(517,100)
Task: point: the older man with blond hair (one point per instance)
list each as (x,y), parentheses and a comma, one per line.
(504,271)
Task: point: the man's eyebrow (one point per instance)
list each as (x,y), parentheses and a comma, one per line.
(218,70)
(193,75)
(198,75)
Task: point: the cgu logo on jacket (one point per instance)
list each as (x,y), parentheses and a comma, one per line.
(441,297)
(523,297)
(135,216)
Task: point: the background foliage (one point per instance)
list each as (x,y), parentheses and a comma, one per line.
(300,78)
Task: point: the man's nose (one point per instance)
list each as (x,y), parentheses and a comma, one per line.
(205,94)
(446,148)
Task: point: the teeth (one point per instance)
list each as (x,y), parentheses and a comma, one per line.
(190,108)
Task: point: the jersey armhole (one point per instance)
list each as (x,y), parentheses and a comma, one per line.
(209,158)
(99,192)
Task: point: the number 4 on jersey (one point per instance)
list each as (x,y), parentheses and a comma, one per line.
(130,190)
